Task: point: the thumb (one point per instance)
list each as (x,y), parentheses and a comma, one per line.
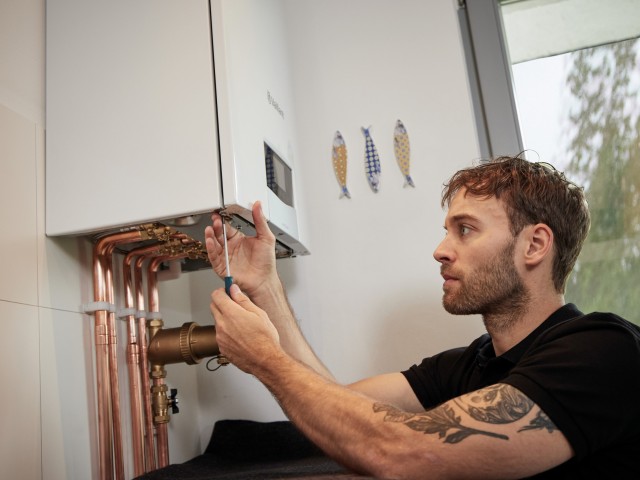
(241,299)
(259,220)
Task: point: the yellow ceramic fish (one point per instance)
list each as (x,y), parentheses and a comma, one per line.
(403,152)
(339,155)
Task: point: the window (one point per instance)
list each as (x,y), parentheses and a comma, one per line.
(565,76)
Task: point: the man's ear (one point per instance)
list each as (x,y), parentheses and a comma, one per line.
(539,238)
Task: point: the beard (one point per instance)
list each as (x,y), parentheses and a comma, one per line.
(494,290)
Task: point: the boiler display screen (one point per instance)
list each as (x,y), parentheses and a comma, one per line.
(279,178)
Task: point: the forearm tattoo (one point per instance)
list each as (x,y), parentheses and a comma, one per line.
(539,423)
(440,420)
(497,405)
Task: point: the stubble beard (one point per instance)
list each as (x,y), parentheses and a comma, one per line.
(494,290)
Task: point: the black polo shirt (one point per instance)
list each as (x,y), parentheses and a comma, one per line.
(583,371)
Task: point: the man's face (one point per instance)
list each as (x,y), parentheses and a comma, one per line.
(477,259)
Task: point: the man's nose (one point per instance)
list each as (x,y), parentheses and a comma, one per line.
(443,252)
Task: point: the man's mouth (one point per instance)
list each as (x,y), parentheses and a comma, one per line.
(449,279)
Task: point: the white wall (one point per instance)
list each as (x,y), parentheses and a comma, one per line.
(368,297)
(47,417)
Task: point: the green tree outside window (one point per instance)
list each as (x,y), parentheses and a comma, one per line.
(603,133)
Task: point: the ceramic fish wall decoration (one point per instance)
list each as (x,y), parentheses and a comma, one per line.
(403,152)
(339,156)
(371,161)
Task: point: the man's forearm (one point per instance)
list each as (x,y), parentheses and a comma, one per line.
(272,298)
(341,422)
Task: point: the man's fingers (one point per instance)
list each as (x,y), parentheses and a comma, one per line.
(217,228)
(219,231)
(260,221)
(237,300)
(241,299)
(214,249)
(213,306)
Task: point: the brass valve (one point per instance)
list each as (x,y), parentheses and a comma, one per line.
(189,344)
(160,403)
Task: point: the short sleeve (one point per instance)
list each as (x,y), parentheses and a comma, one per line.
(585,375)
(442,376)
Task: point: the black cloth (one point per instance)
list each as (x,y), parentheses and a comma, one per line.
(247,450)
(583,371)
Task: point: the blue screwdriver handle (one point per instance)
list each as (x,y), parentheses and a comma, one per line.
(228,279)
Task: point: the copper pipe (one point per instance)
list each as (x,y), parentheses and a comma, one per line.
(144,366)
(110,447)
(152,277)
(139,386)
(161,437)
(109,426)
(143,254)
(133,365)
(113,367)
(162,440)
(152,282)
(105,452)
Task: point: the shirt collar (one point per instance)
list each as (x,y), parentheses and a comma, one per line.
(563,313)
(513,355)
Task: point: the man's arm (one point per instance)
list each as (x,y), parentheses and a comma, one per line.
(495,432)
(390,388)
(273,300)
(253,265)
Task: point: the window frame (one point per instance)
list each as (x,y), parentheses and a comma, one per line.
(490,78)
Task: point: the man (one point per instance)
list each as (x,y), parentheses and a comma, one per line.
(548,389)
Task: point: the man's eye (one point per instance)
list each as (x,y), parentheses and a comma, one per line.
(464,230)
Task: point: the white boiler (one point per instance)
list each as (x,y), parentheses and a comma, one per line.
(165,111)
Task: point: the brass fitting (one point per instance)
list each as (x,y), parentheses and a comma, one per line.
(146,230)
(157,371)
(154,326)
(160,403)
(189,344)
(159,232)
(197,251)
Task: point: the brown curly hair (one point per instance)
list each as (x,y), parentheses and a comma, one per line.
(532,193)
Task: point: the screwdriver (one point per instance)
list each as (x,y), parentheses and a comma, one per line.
(228,279)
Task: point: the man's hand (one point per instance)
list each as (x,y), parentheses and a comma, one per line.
(244,332)
(251,259)
(253,267)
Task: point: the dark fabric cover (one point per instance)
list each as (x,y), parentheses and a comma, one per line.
(246,450)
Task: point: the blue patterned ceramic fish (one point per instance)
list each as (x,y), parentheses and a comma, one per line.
(403,152)
(371,161)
